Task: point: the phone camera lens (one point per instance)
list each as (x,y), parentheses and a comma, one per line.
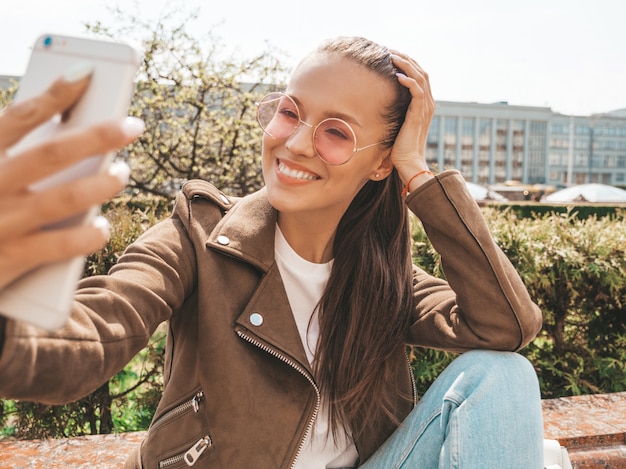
(47,41)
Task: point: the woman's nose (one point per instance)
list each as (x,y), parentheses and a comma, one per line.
(301,141)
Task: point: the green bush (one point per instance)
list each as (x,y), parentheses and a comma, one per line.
(537,210)
(575,269)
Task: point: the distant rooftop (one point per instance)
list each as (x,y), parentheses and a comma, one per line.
(618,113)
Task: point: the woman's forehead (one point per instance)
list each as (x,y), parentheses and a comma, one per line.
(328,83)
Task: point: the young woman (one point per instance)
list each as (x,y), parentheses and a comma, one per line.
(289,310)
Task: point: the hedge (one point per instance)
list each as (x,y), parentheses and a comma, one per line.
(575,269)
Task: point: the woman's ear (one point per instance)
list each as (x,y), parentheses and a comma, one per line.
(383,170)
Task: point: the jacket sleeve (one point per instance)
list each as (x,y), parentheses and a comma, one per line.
(483,302)
(113,317)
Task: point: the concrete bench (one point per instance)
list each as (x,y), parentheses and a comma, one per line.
(592,428)
(95,451)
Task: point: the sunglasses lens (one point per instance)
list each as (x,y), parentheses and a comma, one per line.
(278,115)
(334,141)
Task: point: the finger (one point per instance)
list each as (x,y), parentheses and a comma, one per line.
(419,105)
(61,152)
(27,253)
(20,118)
(412,69)
(408,60)
(417,75)
(23,214)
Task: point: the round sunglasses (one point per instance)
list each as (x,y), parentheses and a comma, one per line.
(334,139)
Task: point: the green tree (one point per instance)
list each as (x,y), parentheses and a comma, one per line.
(7,94)
(198,105)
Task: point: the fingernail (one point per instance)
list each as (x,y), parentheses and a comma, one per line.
(121,171)
(133,126)
(102,224)
(400,75)
(78,71)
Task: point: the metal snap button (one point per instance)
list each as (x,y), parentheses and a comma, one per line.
(223,240)
(256,319)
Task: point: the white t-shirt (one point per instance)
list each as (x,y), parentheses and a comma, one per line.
(305,282)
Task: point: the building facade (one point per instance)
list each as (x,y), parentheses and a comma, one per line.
(493,143)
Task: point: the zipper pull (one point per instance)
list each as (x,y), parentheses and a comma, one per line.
(195,401)
(193,453)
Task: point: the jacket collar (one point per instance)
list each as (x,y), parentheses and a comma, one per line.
(247,231)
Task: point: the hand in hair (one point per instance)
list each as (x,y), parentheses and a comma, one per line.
(408,153)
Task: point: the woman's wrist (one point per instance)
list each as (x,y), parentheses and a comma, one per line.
(414,176)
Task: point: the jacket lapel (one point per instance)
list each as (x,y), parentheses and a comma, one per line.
(246,232)
(269,318)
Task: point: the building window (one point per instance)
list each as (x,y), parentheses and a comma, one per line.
(581,160)
(559,129)
(449,130)
(582,130)
(433,131)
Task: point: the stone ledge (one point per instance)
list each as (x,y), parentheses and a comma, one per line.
(592,428)
(84,452)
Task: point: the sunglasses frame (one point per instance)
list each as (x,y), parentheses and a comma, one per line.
(279,95)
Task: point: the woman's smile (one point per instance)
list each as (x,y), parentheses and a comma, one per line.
(289,172)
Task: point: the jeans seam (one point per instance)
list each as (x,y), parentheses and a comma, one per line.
(416,437)
(454,400)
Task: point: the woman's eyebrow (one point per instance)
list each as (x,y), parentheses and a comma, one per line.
(350,119)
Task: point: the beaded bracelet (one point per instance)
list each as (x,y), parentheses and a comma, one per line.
(408,184)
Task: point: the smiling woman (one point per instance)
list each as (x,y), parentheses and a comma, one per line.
(323,104)
(290,309)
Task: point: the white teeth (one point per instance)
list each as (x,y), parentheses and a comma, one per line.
(294,173)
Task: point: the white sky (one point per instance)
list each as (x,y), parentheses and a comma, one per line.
(569,55)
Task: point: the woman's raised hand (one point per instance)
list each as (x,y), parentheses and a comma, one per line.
(408,153)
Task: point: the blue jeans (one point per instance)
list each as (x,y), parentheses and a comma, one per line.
(482,412)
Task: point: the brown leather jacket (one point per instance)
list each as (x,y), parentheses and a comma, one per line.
(239,391)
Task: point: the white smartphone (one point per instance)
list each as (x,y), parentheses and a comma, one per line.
(43,297)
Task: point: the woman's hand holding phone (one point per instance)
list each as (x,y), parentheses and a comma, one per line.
(58,140)
(25,243)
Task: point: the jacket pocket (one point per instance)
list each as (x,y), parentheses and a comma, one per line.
(179,437)
(187,456)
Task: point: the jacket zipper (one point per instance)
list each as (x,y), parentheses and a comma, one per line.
(192,403)
(192,454)
(300,370)
(413,384)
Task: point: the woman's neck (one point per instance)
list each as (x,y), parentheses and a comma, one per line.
(312,241)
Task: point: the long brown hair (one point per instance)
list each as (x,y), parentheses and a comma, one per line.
(365,310)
